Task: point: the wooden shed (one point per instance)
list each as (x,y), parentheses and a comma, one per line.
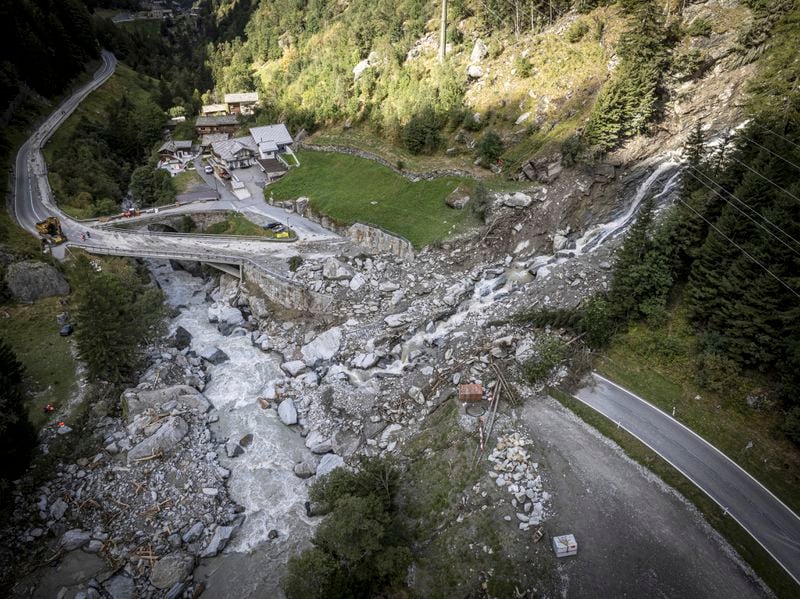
(470,392)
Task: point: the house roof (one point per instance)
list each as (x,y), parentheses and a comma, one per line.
(207,108)
(241,97)
(277,134)
(210,138)
(173,146)
(212,121)
(227,149)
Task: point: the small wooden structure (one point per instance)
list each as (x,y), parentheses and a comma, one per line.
(470,393)
(565,545)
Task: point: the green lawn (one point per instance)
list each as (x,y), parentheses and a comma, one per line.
(185,180)
(350,189)
(32,331)
(657,364)
(236,224)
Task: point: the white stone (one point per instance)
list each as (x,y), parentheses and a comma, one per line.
(328,463)
(287,412)
(357,282)
(324,347)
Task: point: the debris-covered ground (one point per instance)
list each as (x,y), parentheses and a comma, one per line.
(247,403)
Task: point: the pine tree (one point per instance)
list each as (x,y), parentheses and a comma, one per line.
(17,436)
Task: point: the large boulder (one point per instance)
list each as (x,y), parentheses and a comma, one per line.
(458,198)
(323,347)
(479,51)
(120,586)
(329,463)
(335,270)
(136,401)
(287,412)
(294,367)
(214,355)
(75,539)
(217,543)
(171,569)
(183,338)
(30,280)
(168,435)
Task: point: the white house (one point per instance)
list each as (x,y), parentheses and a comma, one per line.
(234,153)
(271,140)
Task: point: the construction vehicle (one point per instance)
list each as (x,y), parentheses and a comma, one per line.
(50,230)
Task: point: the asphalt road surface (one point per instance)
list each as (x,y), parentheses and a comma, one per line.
(764,516)
(33,202)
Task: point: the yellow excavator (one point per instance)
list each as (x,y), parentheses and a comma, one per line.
(50,230)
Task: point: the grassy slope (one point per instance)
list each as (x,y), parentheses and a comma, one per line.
(761,562)
(345,187)
(185,180)
(95,108)
(32,331)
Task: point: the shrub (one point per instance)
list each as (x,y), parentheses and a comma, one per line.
(596,322)
(295,262)
(791,425)
(577,31)
(480,201)
(700,27)
(490,147)
(571,149)
(718,374)
(549,352)
(523,66)
(470,123)
(17,436)
(421,134)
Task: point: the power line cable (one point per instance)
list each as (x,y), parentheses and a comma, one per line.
(741,249)
(777,134)
(788,193)
(750,218)
(786,160)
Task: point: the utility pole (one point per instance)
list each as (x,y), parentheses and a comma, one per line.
(443,32)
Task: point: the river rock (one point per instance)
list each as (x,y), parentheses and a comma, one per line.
(287,412)
(395,320)
(357,282)
(165,438)
(194,533)
(213,354)
(365,361)
(75,539)
(294,367)
(305,469)
(137,401)
(171,569)
(58,509)
(30,280)
(328,463)
(183,338)
(559,242)
(217,543)
(388,287)
(120,587)
(323,347)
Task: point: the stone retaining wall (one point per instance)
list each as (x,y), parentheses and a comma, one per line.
(286,293)
(411,176)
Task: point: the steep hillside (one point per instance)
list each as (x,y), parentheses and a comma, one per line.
(581,79)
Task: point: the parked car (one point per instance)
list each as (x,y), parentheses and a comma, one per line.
(209,169)
(272,225)
(66,330)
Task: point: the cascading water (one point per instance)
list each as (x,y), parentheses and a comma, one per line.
(261,480)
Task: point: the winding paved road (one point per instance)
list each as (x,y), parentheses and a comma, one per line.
(33,202)
(758,511)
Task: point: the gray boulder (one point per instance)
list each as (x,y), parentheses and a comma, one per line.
(191,535)
(171,569)
(137,401)
(30,280)
(214,355)
(58,509)
(294,367)
(75,539)
(335,270)
(305,469)
(217,543)
(163,440)
(328,463)
(120,587)
(479,51)
(183,338)
(287,412)
(323,347)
